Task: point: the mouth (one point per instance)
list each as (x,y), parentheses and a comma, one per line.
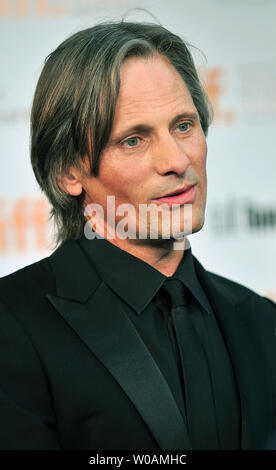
(183,195)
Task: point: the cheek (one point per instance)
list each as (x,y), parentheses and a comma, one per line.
(202,146)
(200,155)
(126,178)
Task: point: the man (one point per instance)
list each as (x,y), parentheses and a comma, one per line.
(121,339)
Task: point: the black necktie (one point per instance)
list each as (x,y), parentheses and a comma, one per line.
(200,410)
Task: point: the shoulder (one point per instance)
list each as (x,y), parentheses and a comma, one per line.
(264,307)
(35,277)
(235,291)
(36,274)
(26,285)
(24,292)
(232,285)
(239,288)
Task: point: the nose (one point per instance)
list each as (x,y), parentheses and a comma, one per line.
(170,156)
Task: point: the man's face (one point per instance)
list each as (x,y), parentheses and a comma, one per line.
(156,146)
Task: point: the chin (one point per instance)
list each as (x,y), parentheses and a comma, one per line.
(192,222)
(198,224)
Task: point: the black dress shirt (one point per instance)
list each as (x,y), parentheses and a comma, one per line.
(138,286)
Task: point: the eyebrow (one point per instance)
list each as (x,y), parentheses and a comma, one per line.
(145,128)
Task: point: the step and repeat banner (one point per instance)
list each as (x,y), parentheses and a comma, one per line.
(234,49)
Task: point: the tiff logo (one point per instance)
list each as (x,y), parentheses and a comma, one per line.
(23,224)
(233,216)
(30,8)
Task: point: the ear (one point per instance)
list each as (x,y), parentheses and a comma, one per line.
(71,182)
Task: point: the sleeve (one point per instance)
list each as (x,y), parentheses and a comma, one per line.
(27,419)
(272,356)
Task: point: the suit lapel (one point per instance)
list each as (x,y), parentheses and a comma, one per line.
(101,324)
(234,312)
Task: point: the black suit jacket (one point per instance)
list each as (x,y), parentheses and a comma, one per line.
(74,373)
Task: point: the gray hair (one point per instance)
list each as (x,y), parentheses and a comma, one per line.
(75,100)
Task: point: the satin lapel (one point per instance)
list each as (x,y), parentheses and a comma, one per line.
(110,335)
(236,317)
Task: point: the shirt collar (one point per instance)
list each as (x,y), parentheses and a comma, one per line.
(134,280)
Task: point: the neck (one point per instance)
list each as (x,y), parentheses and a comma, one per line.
(160,254)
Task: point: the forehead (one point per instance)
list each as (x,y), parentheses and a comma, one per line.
(151,85)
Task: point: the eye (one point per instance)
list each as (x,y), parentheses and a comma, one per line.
(184,126)
(130,142)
